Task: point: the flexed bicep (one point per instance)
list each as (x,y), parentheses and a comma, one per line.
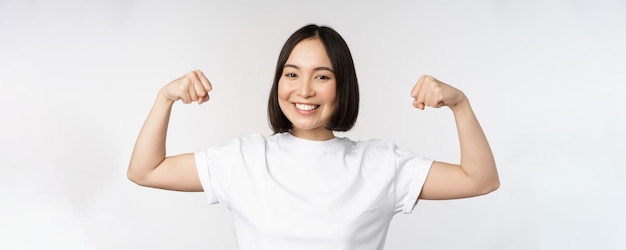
(477,173)
(177,173)
(149,165)
(449,181)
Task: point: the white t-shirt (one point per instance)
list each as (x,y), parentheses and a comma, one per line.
(289,193)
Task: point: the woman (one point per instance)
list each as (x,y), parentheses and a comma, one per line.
(304,188)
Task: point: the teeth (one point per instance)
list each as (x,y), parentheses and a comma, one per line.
(306,107)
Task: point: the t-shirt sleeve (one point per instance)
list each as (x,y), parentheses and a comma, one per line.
(223,169)
(215,167)
(411,173)
(205,176)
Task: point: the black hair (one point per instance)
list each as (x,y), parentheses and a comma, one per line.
(347,99)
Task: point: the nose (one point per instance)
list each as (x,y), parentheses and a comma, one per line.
(305,89)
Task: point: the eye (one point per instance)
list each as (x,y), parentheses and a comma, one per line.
(323,77)
(291,75)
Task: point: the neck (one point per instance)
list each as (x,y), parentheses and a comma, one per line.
(321,134)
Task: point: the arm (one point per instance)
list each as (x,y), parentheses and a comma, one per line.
(477,173)
(149,165)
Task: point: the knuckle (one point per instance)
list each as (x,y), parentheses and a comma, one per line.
(190,75)
(185,81)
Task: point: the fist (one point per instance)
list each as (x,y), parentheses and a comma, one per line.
(191,87)
(433,93)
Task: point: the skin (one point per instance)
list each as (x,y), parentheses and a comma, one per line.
(149,165)
(308,78)
(477,173)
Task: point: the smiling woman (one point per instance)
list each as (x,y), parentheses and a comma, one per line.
(324,52)
(306,91)
(302,187)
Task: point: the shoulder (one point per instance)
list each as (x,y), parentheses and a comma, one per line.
(372,149)
(251,139)
(239,148)
(374,145)
(384,148)
(239,144)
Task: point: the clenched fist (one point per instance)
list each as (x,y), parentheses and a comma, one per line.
(433,93)
(191,87)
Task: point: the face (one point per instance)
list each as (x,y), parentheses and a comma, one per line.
(307,90)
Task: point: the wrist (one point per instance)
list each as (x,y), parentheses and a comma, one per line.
(461,105)
(163,98)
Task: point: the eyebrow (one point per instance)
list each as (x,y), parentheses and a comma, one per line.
(315,69)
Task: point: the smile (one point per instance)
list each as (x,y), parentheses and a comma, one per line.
(306,107)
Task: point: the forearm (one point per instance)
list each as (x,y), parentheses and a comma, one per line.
(149,150)
(477,160)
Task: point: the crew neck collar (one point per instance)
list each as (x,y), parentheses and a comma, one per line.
(300,143)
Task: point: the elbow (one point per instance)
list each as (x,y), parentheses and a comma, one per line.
(494,186)
(489,182)
(131,176)
(141,174)
(135,177)
(489,186)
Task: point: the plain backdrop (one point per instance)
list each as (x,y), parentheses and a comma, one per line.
(545,78)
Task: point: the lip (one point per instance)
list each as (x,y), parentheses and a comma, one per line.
(294,104)
(305,103)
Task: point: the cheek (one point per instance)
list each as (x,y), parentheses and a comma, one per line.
(283,92)
(283,97)
(330,92)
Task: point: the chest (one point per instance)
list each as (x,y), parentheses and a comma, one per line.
(314,196)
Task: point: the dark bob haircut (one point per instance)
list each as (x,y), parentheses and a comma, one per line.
(347,98)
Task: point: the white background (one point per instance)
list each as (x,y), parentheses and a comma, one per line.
(546,80)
